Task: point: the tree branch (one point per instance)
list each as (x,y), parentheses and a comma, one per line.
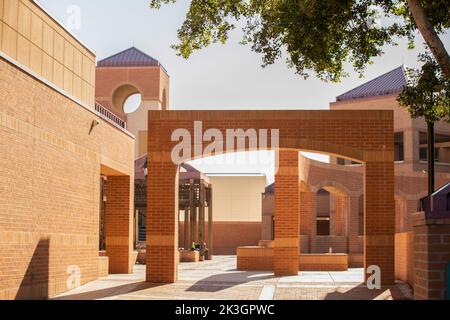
(430,35)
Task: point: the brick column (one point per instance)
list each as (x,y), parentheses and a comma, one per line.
(162,221)
(287,231)
(353,232)
(431,256)
(119,224)
(306,220)
(340,209)
(379,240)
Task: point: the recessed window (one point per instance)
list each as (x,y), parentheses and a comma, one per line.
(441,147)
(323,213)
(399,147)
(132,103)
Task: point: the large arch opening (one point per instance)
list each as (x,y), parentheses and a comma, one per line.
(299,130)
(126,99)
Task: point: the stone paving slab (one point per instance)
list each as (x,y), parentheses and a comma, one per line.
(219,280)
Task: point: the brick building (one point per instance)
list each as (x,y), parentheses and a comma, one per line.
(335,192)
(64,132)
(56,145)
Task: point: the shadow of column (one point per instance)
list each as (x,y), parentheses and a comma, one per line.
(35,283)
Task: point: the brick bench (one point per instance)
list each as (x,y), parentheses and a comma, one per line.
(323,262)
(189,256)
(254,259)
(260,258)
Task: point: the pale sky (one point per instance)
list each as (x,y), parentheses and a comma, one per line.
(219,77)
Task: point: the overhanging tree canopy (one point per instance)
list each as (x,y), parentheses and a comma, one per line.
(318,36)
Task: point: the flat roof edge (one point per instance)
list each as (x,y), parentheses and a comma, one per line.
(51,16)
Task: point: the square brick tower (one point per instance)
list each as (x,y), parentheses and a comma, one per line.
(128,73)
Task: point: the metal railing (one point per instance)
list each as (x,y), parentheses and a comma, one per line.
(110,116)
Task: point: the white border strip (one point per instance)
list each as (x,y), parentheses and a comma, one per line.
(62,92)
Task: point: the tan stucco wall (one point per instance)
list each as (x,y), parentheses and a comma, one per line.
(237,198)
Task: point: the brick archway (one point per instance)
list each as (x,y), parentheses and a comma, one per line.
(364,136)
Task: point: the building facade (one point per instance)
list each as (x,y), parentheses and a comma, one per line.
(332,197)
(54,148)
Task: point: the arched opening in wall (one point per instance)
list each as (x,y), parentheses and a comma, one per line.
(132,103)
(127,99)
(333,211)
(242,201)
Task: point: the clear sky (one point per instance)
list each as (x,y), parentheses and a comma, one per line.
(219,77)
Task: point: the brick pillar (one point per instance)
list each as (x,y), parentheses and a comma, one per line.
(119,224)
(313,237)
(306,218)
(340,209)
(379,240)
(287,231)
(162,221)
(353,232)
(431,256)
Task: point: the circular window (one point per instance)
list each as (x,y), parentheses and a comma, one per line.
(132,103)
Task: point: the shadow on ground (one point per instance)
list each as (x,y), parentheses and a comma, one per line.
(224,281)
(361,292)
(109,292)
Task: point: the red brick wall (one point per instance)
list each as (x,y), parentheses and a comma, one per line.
(119,224)
(431,256)
(227,236)
(338,244)
(306,212)
(162,222)
(287,219)
(361,135)
(50,185)
(404,257)
(380,219)
(255,259)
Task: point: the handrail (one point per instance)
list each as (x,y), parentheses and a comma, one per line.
(110,116)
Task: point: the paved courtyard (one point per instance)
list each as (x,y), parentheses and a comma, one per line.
(219,280)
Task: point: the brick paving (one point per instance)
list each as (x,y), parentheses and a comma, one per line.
(219,280)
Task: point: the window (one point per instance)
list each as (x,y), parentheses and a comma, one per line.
(323,213)
(448,201)
(442,146)
(399,147)
(344,162)
(323,226)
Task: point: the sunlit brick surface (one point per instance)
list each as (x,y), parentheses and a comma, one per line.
(365,136)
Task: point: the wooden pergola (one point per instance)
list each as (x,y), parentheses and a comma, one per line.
(195,202)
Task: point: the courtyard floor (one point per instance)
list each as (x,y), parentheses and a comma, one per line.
(219,280)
